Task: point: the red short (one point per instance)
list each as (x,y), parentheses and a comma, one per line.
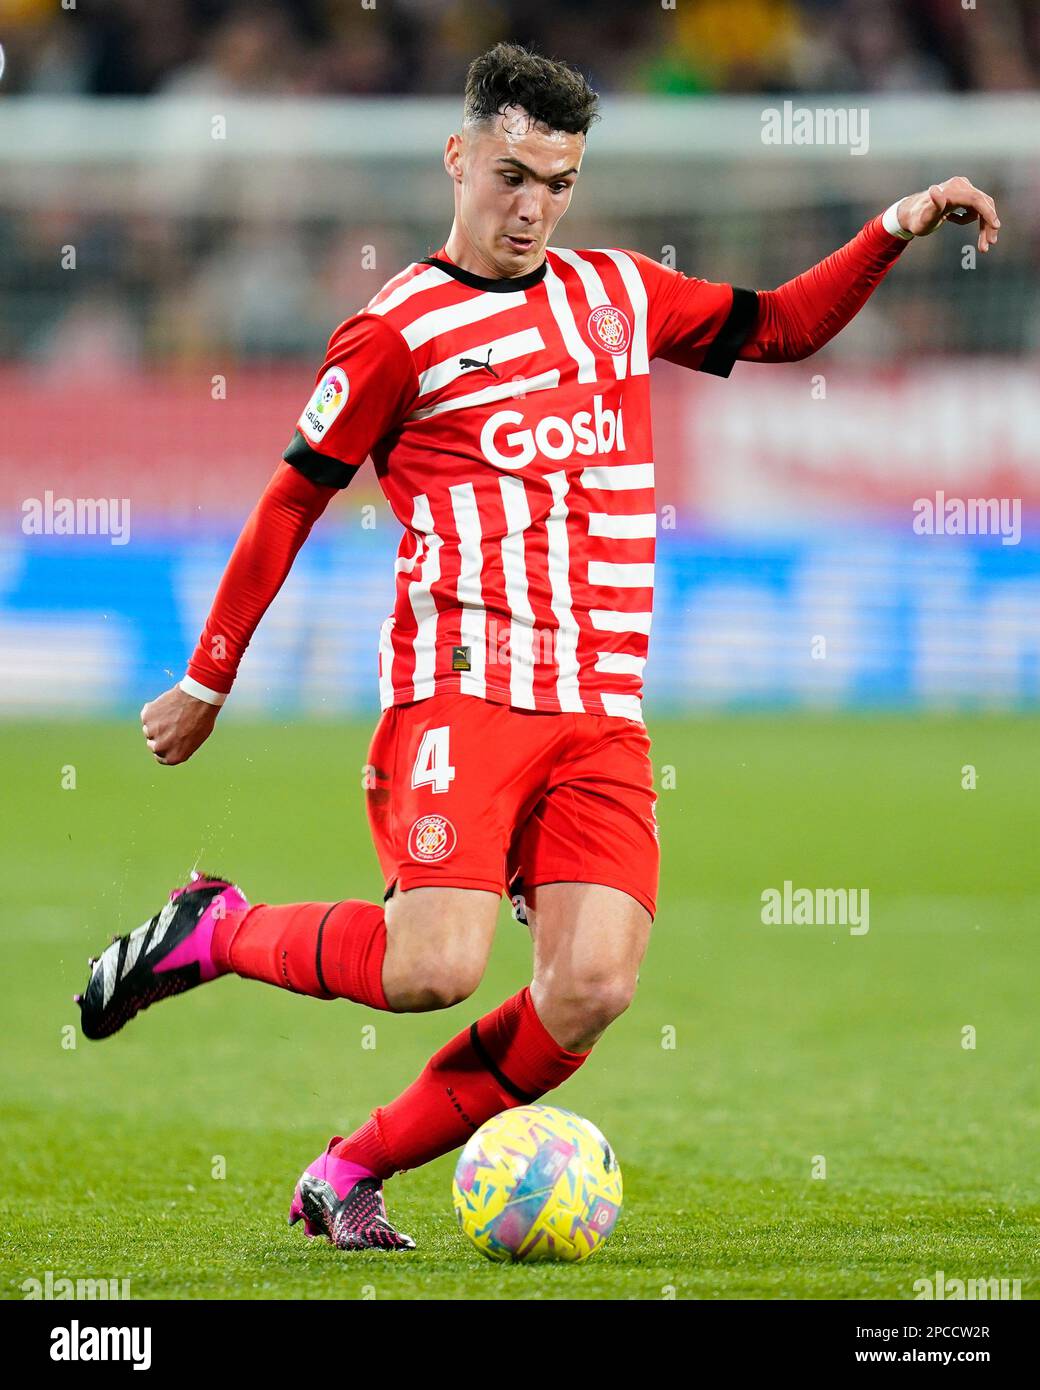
(465,793)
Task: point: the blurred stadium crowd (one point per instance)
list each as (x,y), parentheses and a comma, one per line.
(268,278)
(369,47)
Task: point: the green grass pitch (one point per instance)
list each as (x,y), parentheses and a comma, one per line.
(791,1042)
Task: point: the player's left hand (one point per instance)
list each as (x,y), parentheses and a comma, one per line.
(956,200)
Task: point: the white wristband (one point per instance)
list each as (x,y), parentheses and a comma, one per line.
(202,692)
(890,222)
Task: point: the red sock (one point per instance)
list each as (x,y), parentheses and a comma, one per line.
(327,950)
(505,1059)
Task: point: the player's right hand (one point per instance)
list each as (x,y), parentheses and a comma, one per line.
(175,724)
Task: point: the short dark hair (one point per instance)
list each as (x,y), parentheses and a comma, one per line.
(551,92)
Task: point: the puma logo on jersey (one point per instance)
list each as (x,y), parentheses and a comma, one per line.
(466,362)
(596,431)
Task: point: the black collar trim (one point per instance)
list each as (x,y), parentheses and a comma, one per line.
(483,282)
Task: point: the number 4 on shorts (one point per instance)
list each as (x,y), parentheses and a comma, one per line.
(432,763)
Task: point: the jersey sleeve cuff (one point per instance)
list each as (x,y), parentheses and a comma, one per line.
(202,692)
(890,222)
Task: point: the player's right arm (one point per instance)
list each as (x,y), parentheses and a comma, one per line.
(180,721)
(365,387)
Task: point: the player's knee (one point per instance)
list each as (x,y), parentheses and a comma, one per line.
(440,978)
(436,952)
(606,1000)
(446,985)
(594,1002)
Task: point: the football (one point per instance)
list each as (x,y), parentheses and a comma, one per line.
(537,1183)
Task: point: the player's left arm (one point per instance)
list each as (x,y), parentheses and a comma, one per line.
(797,319)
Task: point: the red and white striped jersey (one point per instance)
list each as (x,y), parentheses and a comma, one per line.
(509,424)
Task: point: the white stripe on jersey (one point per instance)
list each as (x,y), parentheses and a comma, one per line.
(473,618)
(499,391)
(465,311)
(627,706)
(386,663)
(405,564)
(596,295)
(394,280)
(559,578)
(633,283)
(623,528)
(505,349)
(423,606)
(514,566)
(429,279)
(575,344)
(618,477)
(621,576)
(610,620)
(620,663)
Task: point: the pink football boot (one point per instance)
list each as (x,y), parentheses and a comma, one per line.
(340,1200)
(165,956)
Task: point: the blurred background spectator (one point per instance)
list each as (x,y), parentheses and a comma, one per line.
(177,261)
(422,47)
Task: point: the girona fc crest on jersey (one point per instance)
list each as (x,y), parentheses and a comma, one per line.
(431,838)
(610,328)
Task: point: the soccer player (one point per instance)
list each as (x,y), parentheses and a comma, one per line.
(501,386)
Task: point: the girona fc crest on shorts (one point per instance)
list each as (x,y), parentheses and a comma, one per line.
(431,838)
(609,327)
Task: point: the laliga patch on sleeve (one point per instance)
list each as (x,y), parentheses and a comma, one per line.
(329,398)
